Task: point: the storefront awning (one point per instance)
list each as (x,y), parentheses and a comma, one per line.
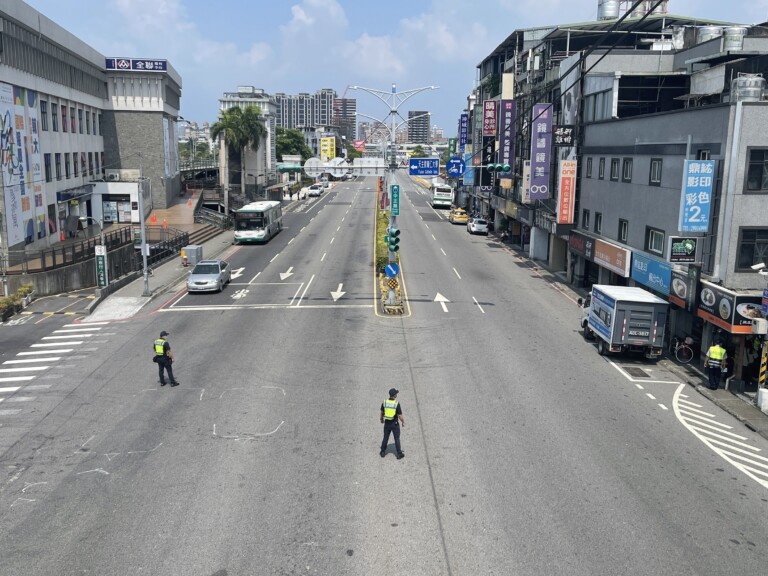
(74,193)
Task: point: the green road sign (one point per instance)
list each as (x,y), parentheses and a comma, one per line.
(102,275)
(394,190)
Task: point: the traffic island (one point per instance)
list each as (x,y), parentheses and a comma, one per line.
(392,306)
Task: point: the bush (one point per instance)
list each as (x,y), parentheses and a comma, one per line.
(382,252)
(25,290)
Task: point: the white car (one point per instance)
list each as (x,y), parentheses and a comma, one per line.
(477,226)
(315,190)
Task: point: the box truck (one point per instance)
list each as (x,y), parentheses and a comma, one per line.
(624,319)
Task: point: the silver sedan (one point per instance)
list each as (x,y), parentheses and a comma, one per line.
(209,276)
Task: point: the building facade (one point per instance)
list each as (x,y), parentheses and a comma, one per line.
(418,127)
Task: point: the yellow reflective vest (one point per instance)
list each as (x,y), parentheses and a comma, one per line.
(160,347)
(390,409)
(715,356)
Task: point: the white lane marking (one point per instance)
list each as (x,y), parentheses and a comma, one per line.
(33,360)
(651,396)
(332,239)
(8,389)
(727,448)
(86,322)
(77,330)
(254,278)
(274,257)
(339,228)
(323,258)
(72,343)
(639,387)
(17,379)
(66,337)
(21,398)
(62,351)
(644,380)
(25,369)
(305,291)
(99,470)
(443,251)
(478,304)
(433,237)
(663,407)
(457,273)
(442,299)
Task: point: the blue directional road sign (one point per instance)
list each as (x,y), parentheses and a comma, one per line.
(424,166)
(391,270)
(455,167)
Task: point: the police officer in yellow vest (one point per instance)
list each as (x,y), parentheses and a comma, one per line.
(714,364)
(392,418)
(164,359)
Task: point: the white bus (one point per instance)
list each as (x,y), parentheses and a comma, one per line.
(258,221)
(442,195)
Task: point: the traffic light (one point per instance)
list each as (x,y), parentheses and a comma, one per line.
(393,239)
(499,168)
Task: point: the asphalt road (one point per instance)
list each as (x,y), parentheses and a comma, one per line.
(527,453)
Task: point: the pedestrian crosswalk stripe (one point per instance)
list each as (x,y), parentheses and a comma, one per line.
(61,351)
(32,360)
(25,369)
(16,379)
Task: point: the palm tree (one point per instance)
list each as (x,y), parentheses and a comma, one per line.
(241,128)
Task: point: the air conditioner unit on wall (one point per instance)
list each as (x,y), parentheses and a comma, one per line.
(113,177)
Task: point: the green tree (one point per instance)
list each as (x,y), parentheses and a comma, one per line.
(418,152)
(352,153)
(291,142)
(241,128)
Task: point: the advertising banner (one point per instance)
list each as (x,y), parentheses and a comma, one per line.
(612,257)
(526,185)
(469,172)
(682,290)
(563,135)
(567,190)
(327,149)
(541,145)
(728,310)
(696,195)
(463,131)
(452,146)
(490,122)
(507,132)
(682,250)
(650,272)
(487,156)
(582,245)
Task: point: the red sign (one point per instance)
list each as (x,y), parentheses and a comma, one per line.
(359,145)
(567,189)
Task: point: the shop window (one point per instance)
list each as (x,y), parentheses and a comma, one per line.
(585,219)
(55,117)
(623,230)
(44,115)
(57,165)
(703,154)
(615,169)
(47,165)
(654,178)
(601,169)
(626,170)
(752,248)
(589,167)
(654,240)
(598,223)
(757,170)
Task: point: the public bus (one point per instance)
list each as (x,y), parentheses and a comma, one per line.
(258,221)
(442,195)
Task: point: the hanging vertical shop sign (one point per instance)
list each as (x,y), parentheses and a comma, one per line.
(490,122)
(696,195)
(567,191)
(541,145)
(507,135)
(463,131)
(487,155)
(526,185)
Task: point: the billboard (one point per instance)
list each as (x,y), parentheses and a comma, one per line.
(541,146)
(490,122)
(696,195)
(567,190)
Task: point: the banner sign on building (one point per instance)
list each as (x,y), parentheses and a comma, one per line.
(682,250)
(563,135)
(463,131)
(696,196)
(682,290)
(327,149)
(567,189)
(507,132)
(541,145)
(728,310)
(469,171)
(655,274)
(136,64)
(612,257)
(486,156)
(490,122)
(526,188)
(452,147)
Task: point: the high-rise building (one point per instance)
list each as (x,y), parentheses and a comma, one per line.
(345,110)
(304,110)
(418,126)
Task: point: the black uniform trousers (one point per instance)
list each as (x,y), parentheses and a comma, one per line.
(714,373)
(392,426)
(163,362)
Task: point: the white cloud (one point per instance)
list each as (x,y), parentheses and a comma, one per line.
(373,57)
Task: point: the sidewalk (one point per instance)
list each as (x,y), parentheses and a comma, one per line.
(750,415)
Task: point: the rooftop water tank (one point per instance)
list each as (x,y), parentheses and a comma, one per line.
(661,8)
(607,9)
(747,88)
(707,33)
(733,38)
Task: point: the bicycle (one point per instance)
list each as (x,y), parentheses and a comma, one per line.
(682,349)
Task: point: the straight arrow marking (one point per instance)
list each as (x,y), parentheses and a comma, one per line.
(442,299)
(338,294)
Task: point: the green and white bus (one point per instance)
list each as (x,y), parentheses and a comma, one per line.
(442,195)
(258,221)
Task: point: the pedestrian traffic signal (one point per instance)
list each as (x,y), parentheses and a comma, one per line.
(499,168)
(393,239)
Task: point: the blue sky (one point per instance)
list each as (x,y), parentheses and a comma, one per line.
(296,46)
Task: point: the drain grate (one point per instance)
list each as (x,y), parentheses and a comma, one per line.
(636,372)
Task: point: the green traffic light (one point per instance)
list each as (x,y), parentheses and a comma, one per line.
(506,168)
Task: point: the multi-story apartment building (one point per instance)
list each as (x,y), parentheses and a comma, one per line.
(418,126)
(345,117)
(648,144)
(75,125)
(260,166)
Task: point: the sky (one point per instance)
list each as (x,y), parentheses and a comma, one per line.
(295,46)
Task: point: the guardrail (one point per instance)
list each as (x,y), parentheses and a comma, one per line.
(213,218)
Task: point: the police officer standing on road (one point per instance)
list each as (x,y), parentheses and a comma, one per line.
(714,364)
(392,418)
(164,359)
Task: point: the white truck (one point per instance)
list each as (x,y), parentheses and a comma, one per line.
(624,319)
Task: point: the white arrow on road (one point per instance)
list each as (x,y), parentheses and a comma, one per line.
(442,299)
(338,294)
(237,272)
(240,294)
(284,275)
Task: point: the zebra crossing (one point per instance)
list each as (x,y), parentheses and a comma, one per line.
(20,377)
(718,437)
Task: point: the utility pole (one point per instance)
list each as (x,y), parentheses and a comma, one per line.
(393,100)
(144,246)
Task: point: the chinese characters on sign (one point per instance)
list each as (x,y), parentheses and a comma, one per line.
(489,118)
(541,144)
(567,189)
(463,131)
(507,133)
(139,64)
(563,135)
(653,273)
(696,196)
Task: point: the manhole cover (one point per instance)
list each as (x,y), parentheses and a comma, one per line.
(636,372)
